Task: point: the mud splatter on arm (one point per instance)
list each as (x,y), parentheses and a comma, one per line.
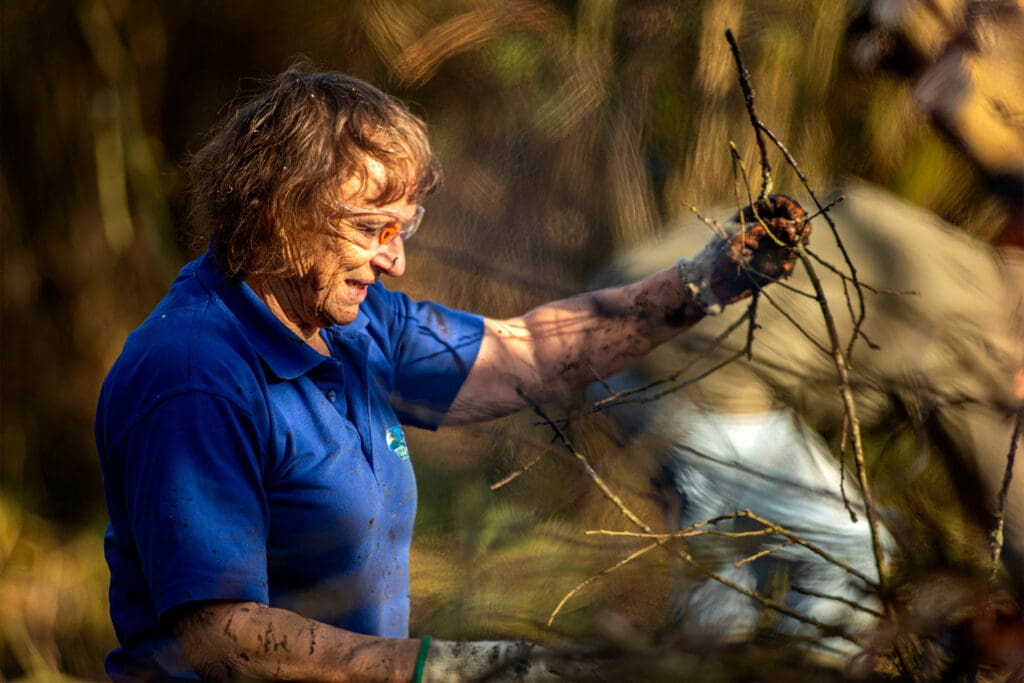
(555,349)
(230,641)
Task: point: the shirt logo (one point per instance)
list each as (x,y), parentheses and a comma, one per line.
(396,442)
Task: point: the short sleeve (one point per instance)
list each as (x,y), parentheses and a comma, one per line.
(194,499)
(434,348)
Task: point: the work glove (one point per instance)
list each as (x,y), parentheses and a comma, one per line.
(500,661)
(755,249)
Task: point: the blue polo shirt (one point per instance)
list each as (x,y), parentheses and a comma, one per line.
(240,464)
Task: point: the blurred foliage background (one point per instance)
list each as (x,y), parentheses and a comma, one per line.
(568,129)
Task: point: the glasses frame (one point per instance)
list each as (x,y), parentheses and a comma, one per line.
(400,227)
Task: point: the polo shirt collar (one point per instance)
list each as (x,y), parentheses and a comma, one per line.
(284,352)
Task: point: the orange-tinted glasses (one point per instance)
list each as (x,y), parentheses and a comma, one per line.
(395,227)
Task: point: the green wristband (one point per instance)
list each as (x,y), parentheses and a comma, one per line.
(421,660)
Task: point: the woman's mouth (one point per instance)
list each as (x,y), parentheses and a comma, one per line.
(357,288)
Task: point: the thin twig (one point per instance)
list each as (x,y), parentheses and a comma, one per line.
(737,163)
(752,312)
(715,226)
(862,311)
(763,553)
(840,359)
(689,532)
(843,438)
(748,97)
(632,556)
(512,476)
(616,398)
(662,539)
(996,537)
(591,472)
(769,527)
(792,321)
(692,380)
(827,629)
(828,557)
(845,390)
(863,285)
(825,209)
(845,601)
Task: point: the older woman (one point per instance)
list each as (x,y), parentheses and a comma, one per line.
(260,490)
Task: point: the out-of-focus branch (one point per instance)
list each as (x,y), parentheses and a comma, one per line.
(604,572)
(768,527)
(996,537)
(587,467)
(837,353)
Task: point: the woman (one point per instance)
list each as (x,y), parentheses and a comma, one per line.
(259,486)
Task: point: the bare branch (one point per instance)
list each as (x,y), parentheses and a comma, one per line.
(996,537)
(763,553)
(828,557)
(827,629)
(604,572)
(826,596)
(862,312)
(795,323)
(748,96)
(512,476)
(591,472)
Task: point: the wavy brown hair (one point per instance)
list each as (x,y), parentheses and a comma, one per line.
(274,167)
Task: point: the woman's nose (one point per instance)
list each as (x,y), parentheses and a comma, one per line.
(390,258)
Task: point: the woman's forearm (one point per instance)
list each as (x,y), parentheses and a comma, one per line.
(580,340)
(227,641)
(559,347)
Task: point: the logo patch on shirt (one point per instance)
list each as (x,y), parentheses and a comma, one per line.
(396,442)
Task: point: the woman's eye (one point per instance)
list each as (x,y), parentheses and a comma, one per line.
(369,229)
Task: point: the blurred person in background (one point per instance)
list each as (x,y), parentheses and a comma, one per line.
(260,490)
(943,311)
(945,318)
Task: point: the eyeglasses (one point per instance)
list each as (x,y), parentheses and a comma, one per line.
(396,227)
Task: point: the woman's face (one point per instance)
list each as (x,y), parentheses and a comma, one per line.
(332,283)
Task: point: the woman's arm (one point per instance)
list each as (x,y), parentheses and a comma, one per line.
(230,641)
(559,347)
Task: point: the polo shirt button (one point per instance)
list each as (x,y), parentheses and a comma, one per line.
(332,395)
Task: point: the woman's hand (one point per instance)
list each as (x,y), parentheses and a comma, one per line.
(758,248)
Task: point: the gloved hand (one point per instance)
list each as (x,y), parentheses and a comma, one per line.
(502,660)
(747,258)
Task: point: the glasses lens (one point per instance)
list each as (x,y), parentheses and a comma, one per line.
(414,223)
